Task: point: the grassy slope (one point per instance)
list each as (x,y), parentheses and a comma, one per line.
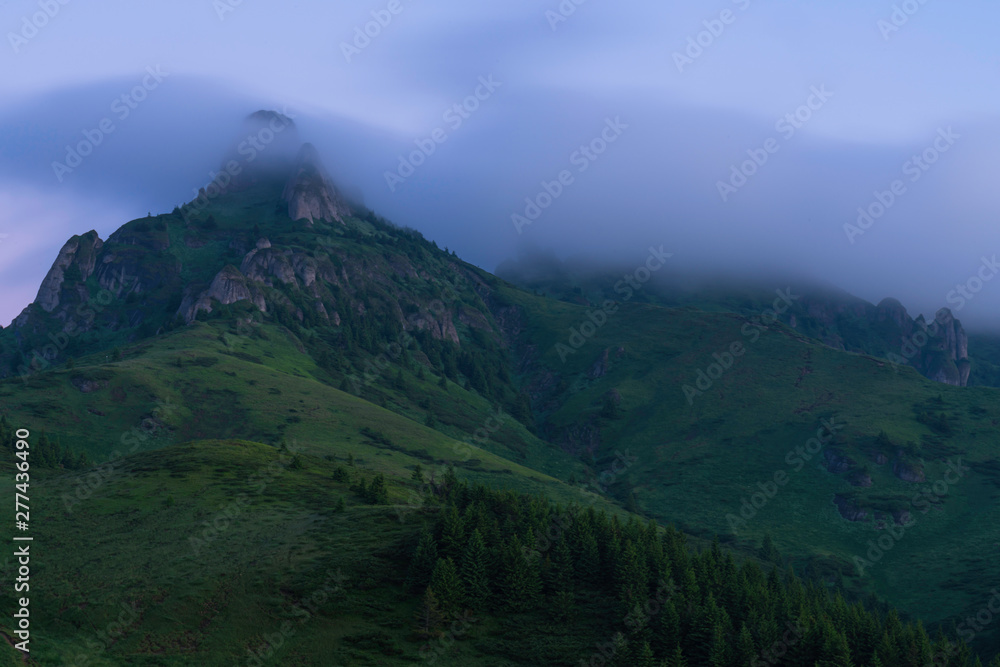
(130,543)
(697,462)
(203,382)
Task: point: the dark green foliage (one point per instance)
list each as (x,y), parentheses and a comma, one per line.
(41,452)
(373,493)
(475,571)
(448,586)
(424,559)
(722,613)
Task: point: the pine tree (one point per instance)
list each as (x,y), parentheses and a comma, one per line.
(452,534)
(429,617)
(560,574)
(746,650)
(768,552)
(631,579)
(645,657)
(718,654)
(621,656)
(589,559)
(424,560)
(474,572)
(676,658)
(835,651)
(520,584)
(448,586)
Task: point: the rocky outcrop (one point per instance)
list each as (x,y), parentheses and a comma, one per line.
(311,194)
(907,472)
(849,509)
(228,286)
(263,264)
(860,478)
(837,461)
(79,253)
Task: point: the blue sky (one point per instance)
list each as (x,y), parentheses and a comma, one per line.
(560,81)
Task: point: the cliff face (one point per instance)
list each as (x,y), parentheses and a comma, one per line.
(77,258)
(311,194)
(939,350)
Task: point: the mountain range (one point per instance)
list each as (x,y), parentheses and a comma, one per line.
(271,397)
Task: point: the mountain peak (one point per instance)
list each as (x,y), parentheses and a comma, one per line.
(265,117)
(310,192)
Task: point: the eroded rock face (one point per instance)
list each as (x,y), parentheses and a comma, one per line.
(907,472)
(228,286)
(311,194)
(263,264)
(849,510)
(838,462)
(79,251)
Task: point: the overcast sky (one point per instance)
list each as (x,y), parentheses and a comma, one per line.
(687,91)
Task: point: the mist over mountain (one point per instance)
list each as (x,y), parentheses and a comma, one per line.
(657,184)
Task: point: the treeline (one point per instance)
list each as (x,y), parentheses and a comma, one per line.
(506,554)
(44,452)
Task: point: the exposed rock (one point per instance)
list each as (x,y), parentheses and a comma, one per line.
(579,438)
(79,250)
(837,462)
(311,194)
(902,517)
(87,386)
(600,367)
(907,472)
(228,286)
(260,265)
(860,478)
(849,509)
